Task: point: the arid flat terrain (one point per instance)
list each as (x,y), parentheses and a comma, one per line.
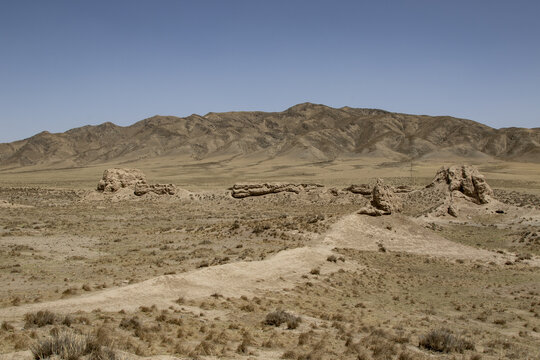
(209,271)
(313,233)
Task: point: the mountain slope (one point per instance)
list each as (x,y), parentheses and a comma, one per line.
(308,131)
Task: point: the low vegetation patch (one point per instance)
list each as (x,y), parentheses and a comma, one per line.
(443,340)
(278,317)
(40,319)
(68,345)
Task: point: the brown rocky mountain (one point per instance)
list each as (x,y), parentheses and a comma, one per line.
(306,131)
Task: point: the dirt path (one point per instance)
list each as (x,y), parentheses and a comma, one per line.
(282,270)
(401,234)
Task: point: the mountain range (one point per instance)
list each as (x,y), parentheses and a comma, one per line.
(305,131)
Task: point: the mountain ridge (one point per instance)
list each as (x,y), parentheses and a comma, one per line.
(313,132)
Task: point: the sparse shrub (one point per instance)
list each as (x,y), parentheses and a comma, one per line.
(314,219)
(293,322)
(65,345)
(290,354)
(99,345)
(82,320)
(69,291)
(331,258)
(16,301)
(400,338)
(380,343)
(405,356)
(130,323)
(356,348)
(258,229)
(205,348)
(20,340)
(103,336)
(235,225)
(315,271)
(7,326)
(524,256)
(67,321)
(362,354)
(203,264)
(40,318)
(175,321)
(247,308)
(276,318)
(303,338)
(381,348)
(243,347)
(443,340)
(103,354)
(146,309)
(68,345)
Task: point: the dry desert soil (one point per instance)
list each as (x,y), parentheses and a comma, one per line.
(189,271)
(201,274)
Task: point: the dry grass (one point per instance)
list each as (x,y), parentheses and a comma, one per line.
(443,340)
(40,318)
(68,345)
(278,317)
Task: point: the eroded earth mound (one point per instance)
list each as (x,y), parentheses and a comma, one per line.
(245,190)
(159,189)
(363,189)
(457,190)
(454,188)
(116,179)
(384,201)
(132,179)
(466,180)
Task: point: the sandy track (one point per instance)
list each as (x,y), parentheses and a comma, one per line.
(399,233)
(282,270)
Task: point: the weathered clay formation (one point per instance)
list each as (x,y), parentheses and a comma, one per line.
(159,189)
(116,179)
(245,190)
(384,201)
(466,180)
(403,189)
(363,189)
(452,210)
(134,179)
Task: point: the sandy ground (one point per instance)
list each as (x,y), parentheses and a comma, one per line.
(236,260)
(395,233)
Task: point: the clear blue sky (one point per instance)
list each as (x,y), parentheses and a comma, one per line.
(69,63)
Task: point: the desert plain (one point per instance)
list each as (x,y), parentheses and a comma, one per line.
(299,273)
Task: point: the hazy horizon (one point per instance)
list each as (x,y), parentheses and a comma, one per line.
(67,64)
